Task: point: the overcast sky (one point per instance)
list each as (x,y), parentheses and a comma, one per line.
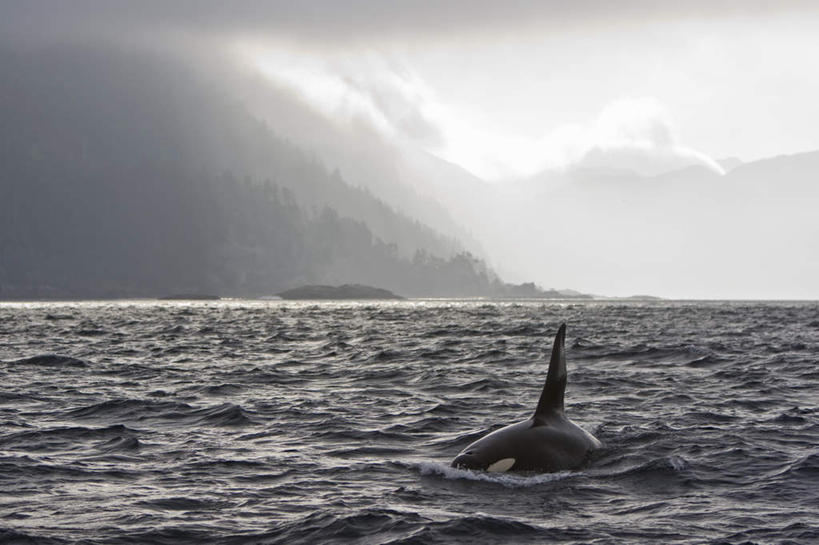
(507,89)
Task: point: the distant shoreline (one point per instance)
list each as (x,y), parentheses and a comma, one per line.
(265,299)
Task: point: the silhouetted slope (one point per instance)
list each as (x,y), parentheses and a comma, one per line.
(751,231)
(84,107)
(123,174)
(347,291)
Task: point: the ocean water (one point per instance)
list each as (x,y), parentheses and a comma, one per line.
(280,422)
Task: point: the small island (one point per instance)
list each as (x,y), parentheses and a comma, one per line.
(530,290)
(345,291)
(643,298)
(190,297)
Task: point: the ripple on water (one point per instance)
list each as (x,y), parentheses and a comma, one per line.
(283,422)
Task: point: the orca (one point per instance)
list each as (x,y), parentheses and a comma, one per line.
(546,442)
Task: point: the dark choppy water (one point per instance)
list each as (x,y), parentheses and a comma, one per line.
(249,422)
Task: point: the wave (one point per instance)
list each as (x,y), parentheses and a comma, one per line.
(16,537)
(508,480)
(120,444)
(457,331)
(227,414)
(91,332)
(134,409)
(26,472)
(483,528)
(806,467)
(328,527)
(799,532)
(55,317)
(226,389)
(182,503)
(138,410)
(14,397)
(422,425)
(52,360)
(670,465)
(64,438)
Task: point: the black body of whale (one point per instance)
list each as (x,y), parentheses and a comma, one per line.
(546,442)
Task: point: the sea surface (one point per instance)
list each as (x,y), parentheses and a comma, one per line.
(244,422)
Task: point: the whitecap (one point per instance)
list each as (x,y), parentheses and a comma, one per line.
(678,463)
(511,480)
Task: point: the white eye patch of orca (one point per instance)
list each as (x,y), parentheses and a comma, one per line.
(502,465)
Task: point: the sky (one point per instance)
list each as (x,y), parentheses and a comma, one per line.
(519,90)
(508,89)
(510,98)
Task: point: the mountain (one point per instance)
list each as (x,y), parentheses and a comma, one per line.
(748,232)
(729,163)
(130,174)
(402,176)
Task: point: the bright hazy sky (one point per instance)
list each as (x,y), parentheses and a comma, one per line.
(507,89)
(514,102)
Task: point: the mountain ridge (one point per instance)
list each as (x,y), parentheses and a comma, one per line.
(124,175)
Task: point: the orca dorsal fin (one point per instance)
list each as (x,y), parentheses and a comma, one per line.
(551,400)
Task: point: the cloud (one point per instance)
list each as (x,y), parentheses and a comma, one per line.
(400,98)
(641,121)
(330,53)
(314,36)
(383,93)
(368,88)
(638,134)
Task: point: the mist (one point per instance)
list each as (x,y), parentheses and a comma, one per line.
(571,147)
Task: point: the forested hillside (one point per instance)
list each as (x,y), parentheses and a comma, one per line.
(177,231)
(123,175)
